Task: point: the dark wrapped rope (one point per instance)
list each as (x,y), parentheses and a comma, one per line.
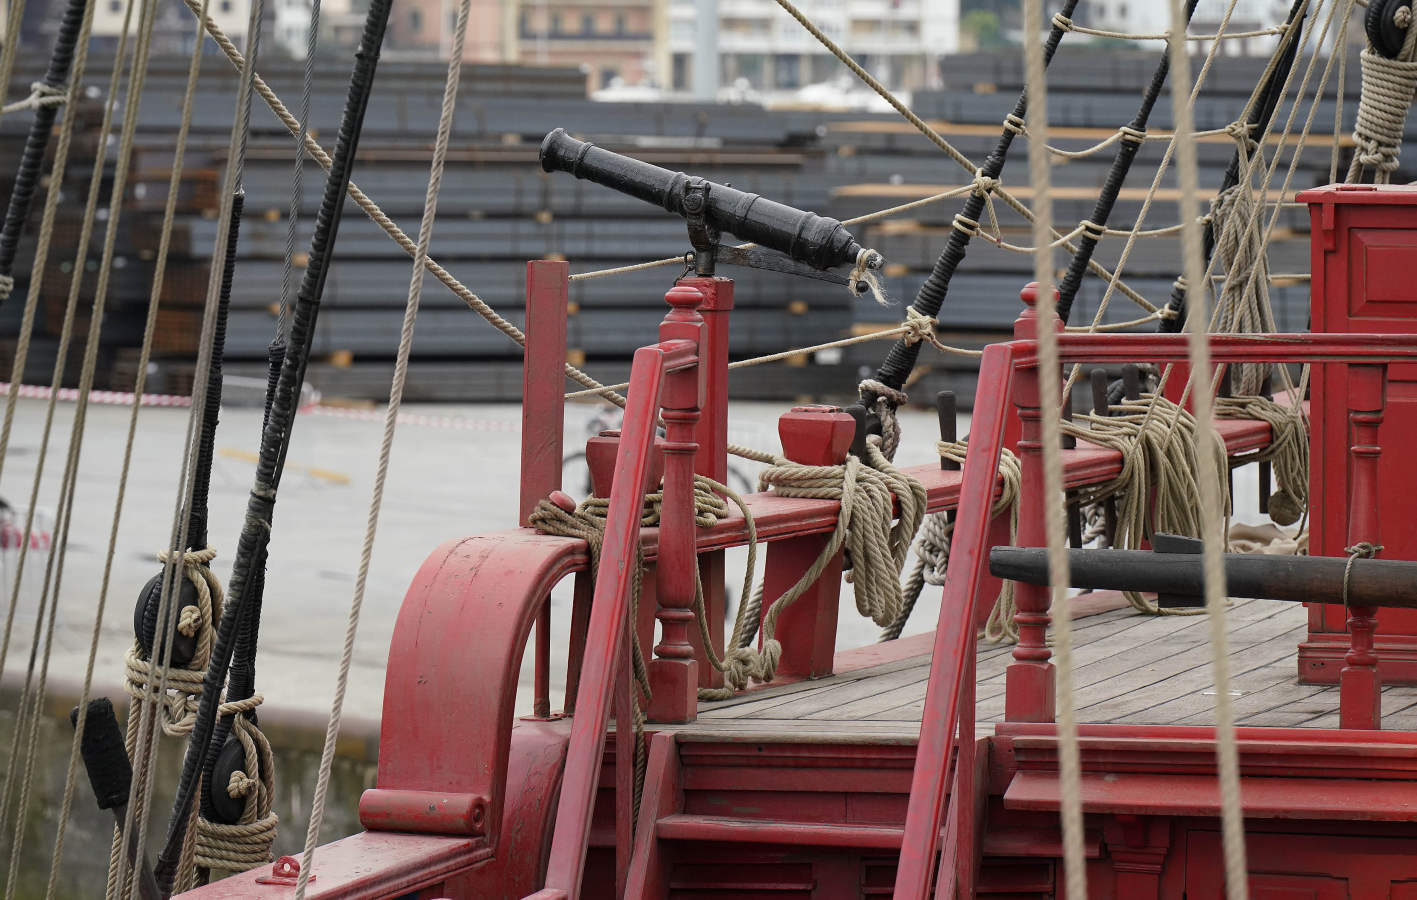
(37,143)
(1127,149)
(902,356)
(1256,122)
(237,624)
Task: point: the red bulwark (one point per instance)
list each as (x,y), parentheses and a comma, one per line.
(1364,258)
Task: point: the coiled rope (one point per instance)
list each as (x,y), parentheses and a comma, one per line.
(1388,88)
(932,550)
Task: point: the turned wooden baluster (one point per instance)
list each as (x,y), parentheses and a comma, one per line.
(1029,693)
(674,672)
(1359,687)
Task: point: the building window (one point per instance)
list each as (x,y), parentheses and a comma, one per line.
(786,71)
(415,19)
(555,23)
(620,24)
(115,6)
(226,6)
(587,24)
(680,81)
(607,76)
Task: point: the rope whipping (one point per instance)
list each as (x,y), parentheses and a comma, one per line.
(396,389)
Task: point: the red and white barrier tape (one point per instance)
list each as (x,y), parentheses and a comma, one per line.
(122,398)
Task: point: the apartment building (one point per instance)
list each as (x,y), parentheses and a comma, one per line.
(896,40)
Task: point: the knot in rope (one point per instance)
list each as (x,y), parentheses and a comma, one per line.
(1062,22)
(1014,124)
(41,94)
(862,277)
(7,286)
(1388,88)
(1402,17)
(1092,230)
(918,326)
(143,677)
(883,400)
(1360,550)
(964,224)
(984,185)
(246,843)
(1132,135)
(1242,133)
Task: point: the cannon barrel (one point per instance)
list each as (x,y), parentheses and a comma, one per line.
(815,240)
(1310,579)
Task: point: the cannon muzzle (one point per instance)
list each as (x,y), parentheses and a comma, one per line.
(806,237)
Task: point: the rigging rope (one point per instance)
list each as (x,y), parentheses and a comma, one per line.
(452,82)
(1210,494)
(27,724)
(1055,526)
(1388,88)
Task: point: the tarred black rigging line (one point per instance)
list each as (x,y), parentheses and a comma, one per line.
(27,176)
(239,620)
(1127,149)
(1258,121)
(902,356)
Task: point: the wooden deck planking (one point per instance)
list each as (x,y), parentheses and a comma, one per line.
(1130,668)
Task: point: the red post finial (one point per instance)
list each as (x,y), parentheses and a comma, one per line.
(1024,325)
(684,301)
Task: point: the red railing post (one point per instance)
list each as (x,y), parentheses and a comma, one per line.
(712,456)
(812,436)
(606,630)
(674,672)
(543,424)
(543,386)
(951,658)
(1029,691)
(1359,687)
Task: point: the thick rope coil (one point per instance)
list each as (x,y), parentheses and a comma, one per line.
(247,843)
(932,551)
(1288,450)
(1244,304)
(1388,88)
(877,546)
(178,706)
(1156,439)
(862,278)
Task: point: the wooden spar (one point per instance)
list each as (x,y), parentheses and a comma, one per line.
(1307,579)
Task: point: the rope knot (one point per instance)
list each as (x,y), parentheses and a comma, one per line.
(1015,124)
(189,620)
(1132,135)
(918,327)
(984,184)
(1062,22)
(862,278)
(240,785)
(1360,550)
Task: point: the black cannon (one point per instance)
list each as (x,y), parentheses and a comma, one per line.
(815,243)
(1179,576)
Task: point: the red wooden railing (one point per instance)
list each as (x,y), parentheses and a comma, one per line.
(667,377)
(1009,374)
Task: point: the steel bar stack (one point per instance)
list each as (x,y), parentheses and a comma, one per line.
(499,209)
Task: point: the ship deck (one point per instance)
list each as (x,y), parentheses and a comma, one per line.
(1130,668)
